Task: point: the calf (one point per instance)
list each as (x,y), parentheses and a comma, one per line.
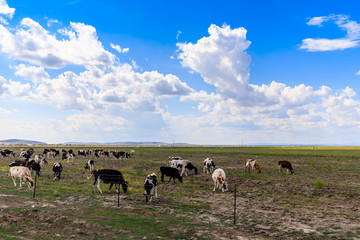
(23,173)
(89,165)
(219,180)
(57,169)
(170,172)
(286,165)
(183,165)
(209,166)
(150,186)
(109,176)
(252,164)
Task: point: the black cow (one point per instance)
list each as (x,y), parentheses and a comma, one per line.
(170,172)
(109,176)
(57,169)
(34,166)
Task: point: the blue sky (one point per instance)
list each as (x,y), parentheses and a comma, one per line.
(201,72)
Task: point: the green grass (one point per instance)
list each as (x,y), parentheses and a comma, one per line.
(324,178)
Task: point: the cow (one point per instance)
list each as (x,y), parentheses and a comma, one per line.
(82,153)
(209,166)
(7,152)
(109,176)
(89,165)
(23,173)
(252,164)
(286,165)
(173,158)
(150,186)
(57,169)
(170,172)
(219,178)
(183,165)
(35,166)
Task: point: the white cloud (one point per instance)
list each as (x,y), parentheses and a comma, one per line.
(6,10)
(351,39)
(35,45)
(119,49)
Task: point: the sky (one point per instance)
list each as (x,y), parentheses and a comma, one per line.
(198,72)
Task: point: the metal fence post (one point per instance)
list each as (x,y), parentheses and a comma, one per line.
(34,186)
(235,205)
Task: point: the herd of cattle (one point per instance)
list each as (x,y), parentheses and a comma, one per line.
(175,169)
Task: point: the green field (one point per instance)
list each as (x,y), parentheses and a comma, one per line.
(320,201)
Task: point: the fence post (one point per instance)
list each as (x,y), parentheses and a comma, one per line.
(235,205)
(34,186)
(118,188)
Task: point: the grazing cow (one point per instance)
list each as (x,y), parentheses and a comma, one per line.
(209,166)
(252,164)
(89,165)
(34,166)
(183,165)
(173,158)
(170,172)
(82,153)
(109,176)
(7,152)
(286,165)
(57,169)
(219,180)
(14,164)
(22,163)
(150,186)
(23,173)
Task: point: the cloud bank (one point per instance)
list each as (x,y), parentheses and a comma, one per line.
(104,95)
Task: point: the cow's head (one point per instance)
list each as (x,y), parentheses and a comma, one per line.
(125,186)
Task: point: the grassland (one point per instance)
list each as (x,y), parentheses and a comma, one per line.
(320,201)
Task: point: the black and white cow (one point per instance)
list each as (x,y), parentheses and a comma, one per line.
(150,186)
(82,153)
(183,165)
(109,176)
(89,165)
(209,166)
(170,172)
(57,169)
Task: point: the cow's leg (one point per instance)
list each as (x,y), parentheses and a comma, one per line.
(155,189)
(13,178)
(98,185)
(111,184)
(215,183)
(162,177)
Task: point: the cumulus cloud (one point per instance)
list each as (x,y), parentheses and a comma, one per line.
(351,39)
(33,44)
(6,10)
(222,61)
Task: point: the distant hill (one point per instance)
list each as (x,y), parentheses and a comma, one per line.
(31,142)
(128,143)
(20,142)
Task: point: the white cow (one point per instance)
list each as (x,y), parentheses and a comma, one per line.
(23,173)
(219,177)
